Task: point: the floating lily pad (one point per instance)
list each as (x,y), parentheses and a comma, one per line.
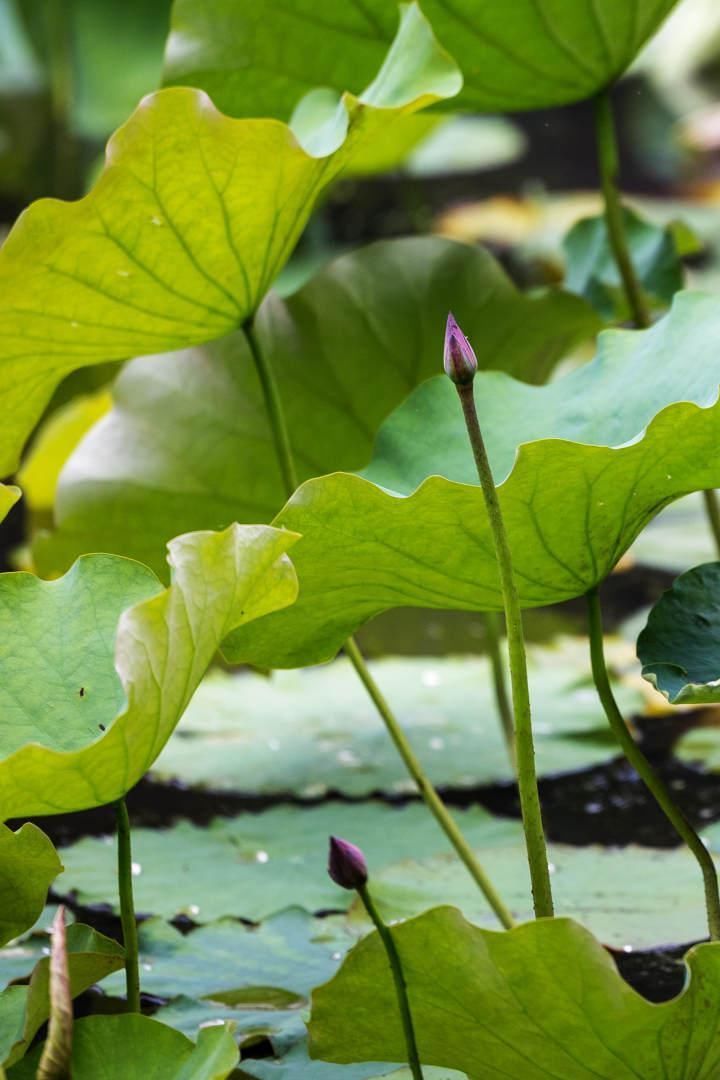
(680,646)
(582,466)
(275,964)
(309,732)
(118,1047)
(179,240)
(346,349)
(521,56)
(28,866)
(93,688)
(542,1001)
(254,865)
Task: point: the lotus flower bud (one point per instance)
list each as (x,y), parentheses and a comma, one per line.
(459,359)
(346,864)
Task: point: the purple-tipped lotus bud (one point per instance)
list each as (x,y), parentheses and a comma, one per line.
(459,359)
(346,864)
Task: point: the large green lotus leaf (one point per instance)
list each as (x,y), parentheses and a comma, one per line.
(9,495)
(679,648)
(28,866)
(277,963)
(277,736)
(254,865)
(259,57)
(119,1047)
(582,465)
(23,1009)
(93,687)
(177,243)
(541,1002)
(346,350)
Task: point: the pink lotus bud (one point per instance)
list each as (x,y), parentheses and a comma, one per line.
(346,864)
(459,359)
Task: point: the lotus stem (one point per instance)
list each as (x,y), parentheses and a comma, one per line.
(432,800)
(609,165)
(712,509)
(461,366)
(127,908)
(493,636)
(644,769)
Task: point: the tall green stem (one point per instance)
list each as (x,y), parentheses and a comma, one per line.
(493,637)
(609,163)
(398,978)
(645,770)
(433,801)
(127,908)
(429,794)
(524,746)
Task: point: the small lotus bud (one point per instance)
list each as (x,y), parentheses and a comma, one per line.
(459,359)
(346,864)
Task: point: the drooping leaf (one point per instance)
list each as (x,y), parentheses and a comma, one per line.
(582,466)
(253,865)
(118,1047)
(94,688)
(542,1001)
(656,253)
(258,58)
(679,648)
(346,349)
(279,735)
(182,235)
(23,1009)
(28,866)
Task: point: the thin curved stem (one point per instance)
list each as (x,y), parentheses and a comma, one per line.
(399,979)
(645,770)
(609,165)
(712,509)
(432,800)
(127,907)
(493,637)
(430,796)
(524,745)
(276,413)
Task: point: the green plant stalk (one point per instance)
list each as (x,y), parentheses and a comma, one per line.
(430,796)
(643,767)
(127,908)
(427,791)
(398,978)
(524,745)
(493,637)
(712,509)
(609,164)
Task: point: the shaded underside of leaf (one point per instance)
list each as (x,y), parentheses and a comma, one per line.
(162,648)
(260,58)
(680,646)
(541,1001)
